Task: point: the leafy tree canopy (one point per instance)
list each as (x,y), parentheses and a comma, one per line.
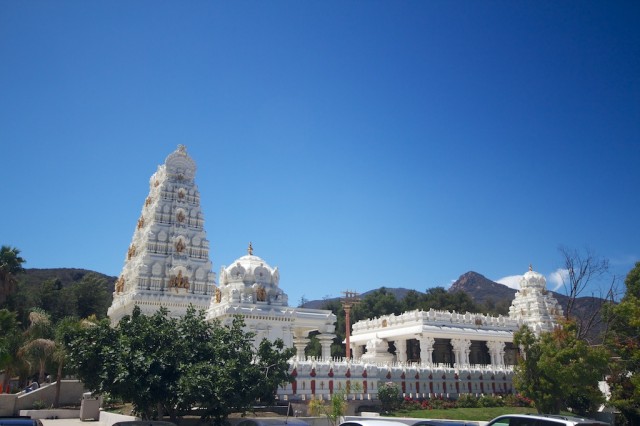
(559,371)
(171,365)
(624,343)
(10,265)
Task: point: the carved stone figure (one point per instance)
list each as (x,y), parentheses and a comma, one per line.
(180,246)
(261,294)
(120,285)
(140,222)
(131,252)
(181,216)
(218,295)
(179,282)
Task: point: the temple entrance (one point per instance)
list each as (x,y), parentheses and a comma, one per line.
(479,353)
(443,352)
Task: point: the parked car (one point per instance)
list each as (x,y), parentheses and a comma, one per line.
(444,423)
(373,422)
(273,421)
(543,420)
(19,421)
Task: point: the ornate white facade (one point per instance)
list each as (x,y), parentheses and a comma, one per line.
(534,305)
(424,352)
(250,287)
(167,263)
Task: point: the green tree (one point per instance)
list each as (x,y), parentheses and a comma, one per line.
(10,265)
(92,296)
(64,331)
(440,299)
(559,371)
(11,340)
(624,343)
(39,345)
(169,365)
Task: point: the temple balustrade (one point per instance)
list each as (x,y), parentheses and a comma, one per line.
(435,317)
(319,378)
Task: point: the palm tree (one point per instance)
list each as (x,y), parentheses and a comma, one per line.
(40,344)
(10,265)
(11,340)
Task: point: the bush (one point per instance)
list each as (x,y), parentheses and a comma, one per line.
(467,401)
(389,396)
(442,404)
(490,401)
(409,404)
(39,405)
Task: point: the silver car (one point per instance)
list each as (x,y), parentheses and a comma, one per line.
(543,420)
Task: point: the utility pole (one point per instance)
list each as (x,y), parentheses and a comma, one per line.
(348,301)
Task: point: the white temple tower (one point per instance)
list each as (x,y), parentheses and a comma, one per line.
(534,305)
(167,263)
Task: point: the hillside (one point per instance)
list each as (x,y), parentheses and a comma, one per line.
(34,277)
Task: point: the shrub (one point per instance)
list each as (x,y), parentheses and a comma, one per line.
(409,404)
(389,396)
(467,401)
(442,404)
(490,401)
(39,404)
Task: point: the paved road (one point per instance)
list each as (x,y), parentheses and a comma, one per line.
(70,422)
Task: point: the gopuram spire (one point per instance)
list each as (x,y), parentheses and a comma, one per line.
(167,263)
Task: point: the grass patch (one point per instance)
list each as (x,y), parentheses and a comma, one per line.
(482,413)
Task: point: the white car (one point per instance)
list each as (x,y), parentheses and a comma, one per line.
(543,420)
(372,422)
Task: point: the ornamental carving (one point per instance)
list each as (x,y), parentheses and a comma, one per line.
(140,222)
(178,282)
(147,202)
(261,294)
(181,216)
(131,252)
(180,246)
(218,295)
(120,285)
(156,183)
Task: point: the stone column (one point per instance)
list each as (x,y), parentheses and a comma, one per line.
(300,341)
(300,345)
(496,351)
(401,350)
(325,344)
(426,348)
(357,351)
(461,348)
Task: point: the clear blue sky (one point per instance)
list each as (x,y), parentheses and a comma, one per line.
(357,144)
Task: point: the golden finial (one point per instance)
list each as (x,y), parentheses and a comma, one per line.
(530,267)
(250,249)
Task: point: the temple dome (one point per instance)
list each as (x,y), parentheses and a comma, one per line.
(179,164)
(250,279)
(533,279)
(250,269)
